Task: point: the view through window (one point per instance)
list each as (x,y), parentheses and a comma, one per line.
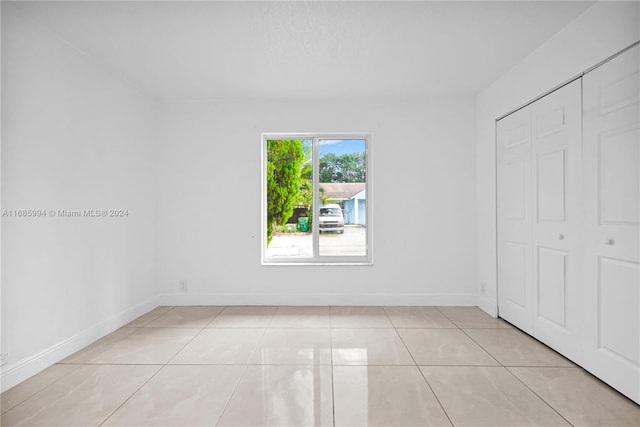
(315,199)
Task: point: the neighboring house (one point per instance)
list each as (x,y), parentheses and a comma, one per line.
(352,196)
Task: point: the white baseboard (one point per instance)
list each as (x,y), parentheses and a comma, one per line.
(21,370)
(319,299)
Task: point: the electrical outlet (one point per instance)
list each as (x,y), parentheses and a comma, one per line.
(182,286)
(482,288)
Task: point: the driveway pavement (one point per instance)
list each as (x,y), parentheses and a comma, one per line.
(351,243)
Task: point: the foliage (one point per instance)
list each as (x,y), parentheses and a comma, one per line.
(284,161)
(351,167)
(305,193)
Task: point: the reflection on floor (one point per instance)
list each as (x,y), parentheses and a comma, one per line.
(316,366)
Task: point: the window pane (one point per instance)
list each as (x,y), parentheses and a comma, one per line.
(289,189)
(342,217)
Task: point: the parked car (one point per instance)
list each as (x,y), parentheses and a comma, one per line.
(331,219)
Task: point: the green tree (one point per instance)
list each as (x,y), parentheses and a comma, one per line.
(350,167)
(284,161)
(305,194)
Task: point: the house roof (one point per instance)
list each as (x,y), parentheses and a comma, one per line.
(342,190)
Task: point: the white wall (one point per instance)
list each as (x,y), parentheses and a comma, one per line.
(600,32)
(422,194)
(72,138)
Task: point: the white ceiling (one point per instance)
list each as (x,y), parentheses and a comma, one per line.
(305,50)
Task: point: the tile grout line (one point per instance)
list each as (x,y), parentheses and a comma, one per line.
(235,389)
(501,365)
(333,381)
(151,320)
(306,365)
(463,331)
(34,393)
(536,394)
(483,349)
(471,338)
(161,365)
(447,317)
(420,371)
(246,365)
(112,413)
(81,364)
(215,317)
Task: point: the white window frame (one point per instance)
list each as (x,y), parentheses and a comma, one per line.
(316,258)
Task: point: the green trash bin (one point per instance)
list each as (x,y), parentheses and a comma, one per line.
(303,224)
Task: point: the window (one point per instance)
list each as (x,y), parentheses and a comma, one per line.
(316,199)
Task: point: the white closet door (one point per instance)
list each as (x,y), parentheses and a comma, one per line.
(556,124)
(612,220)
(515,297)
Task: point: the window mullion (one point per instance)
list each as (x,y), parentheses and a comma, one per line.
(316,197)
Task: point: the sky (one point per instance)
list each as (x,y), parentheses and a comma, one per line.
(342,146)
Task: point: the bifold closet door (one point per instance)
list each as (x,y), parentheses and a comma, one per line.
(612,222)
(515,298)
(556,144)
(539,247)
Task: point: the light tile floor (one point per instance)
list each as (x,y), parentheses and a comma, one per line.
(316,366)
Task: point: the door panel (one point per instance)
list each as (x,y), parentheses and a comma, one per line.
(550,122)
(557,148)
(621,92)
(619,168)
(552,286)
(515,257)
(612,219)
(515,189)
(618,289)
(514,219)
(551,186)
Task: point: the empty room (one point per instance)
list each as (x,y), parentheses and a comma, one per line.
(320,213)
